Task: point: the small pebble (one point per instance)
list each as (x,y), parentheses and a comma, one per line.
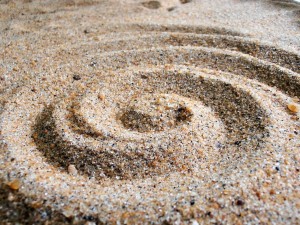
(293,107)
(171,8)
(15,184)
(240,202)
(152,4)
(76,77)
(101,97)
(72,170)
(10,197)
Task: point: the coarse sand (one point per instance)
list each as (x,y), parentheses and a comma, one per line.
(149,112)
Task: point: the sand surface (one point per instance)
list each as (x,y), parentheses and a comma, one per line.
(149,112)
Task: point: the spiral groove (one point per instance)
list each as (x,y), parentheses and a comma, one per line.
(185,106)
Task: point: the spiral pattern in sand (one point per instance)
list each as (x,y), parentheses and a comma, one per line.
(155,118)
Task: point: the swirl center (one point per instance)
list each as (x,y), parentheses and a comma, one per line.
(156,112)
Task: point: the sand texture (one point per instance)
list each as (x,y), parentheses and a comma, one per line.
(149,112)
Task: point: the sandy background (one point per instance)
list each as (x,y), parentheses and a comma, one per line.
(50,49)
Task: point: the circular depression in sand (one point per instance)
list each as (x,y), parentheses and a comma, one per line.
(152,120)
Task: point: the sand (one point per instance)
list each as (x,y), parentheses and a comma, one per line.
(136,112)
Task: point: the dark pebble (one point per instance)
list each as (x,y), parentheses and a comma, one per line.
(76,77)
(240,202)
